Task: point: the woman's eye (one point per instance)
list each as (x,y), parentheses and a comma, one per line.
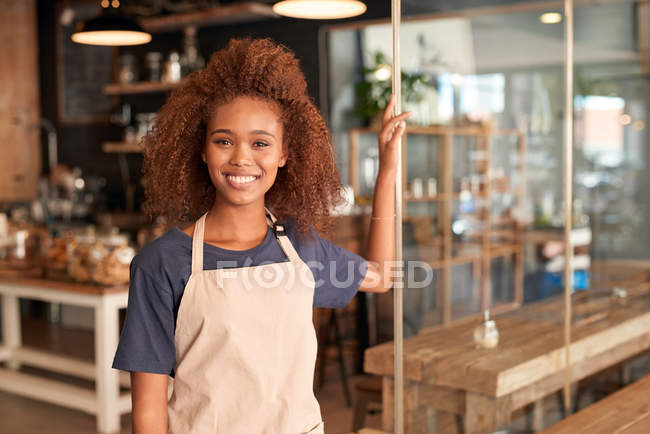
(260,144)
(222,142)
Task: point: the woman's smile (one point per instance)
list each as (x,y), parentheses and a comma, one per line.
(240,181)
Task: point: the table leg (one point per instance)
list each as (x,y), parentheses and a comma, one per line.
(107,382)
(388,404)
(484,414)
(11,330)
(418,418)
(538,415)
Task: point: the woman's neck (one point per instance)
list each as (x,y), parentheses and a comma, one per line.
(236,227)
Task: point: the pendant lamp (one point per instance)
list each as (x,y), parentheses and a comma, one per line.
(319,9)
(112,28)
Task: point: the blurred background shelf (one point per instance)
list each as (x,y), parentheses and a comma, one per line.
(138,87)
(245,12)
(121,147)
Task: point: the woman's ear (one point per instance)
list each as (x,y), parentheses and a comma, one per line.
(203,157)
(285,155)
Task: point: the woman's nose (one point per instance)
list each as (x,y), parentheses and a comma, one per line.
(240,156)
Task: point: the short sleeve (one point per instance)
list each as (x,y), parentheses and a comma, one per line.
(147,339)
(338,273)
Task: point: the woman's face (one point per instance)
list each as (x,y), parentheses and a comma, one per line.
(244,149)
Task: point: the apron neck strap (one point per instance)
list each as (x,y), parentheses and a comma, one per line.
(270,218)
(282,238)
(273,222)
(197,244)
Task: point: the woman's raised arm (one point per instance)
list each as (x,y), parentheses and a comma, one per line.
(381,237)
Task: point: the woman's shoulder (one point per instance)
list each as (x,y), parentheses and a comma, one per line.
(165,250)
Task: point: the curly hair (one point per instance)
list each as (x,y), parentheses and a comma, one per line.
(177,183)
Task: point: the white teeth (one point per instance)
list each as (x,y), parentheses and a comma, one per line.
(241,179)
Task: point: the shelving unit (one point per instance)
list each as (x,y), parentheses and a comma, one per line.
(141,87)
(499,237)
(113,147)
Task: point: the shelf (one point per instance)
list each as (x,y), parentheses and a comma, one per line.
(443,130)
(497,251)
(436,198)
(226,14)
(138,87)
(117,147)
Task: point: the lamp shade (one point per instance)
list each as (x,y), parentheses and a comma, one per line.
(319,9)
(110,28)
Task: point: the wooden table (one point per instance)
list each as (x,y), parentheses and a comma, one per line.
(443,371)
(625,412)
(105,401)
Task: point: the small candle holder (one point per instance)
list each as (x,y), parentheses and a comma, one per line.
(486,334)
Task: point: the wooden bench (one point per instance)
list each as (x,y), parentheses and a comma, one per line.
(625,412)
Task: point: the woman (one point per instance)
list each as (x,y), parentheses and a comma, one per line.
(225,304)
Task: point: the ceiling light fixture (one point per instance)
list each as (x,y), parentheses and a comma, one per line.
(319,9)
(551,17)
(111,28)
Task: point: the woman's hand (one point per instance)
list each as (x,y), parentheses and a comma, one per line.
(391,130)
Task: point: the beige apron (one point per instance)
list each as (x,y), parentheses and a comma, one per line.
(246,347)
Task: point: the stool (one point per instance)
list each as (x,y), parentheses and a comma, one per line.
(368,390)
(322,353)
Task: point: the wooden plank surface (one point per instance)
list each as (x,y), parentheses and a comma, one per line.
(530,347)
(625,412)
(65,286)
(218,15)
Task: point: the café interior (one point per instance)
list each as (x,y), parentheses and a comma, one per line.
(523,201)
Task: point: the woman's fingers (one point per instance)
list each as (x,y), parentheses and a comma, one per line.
(390,125)
(388,112)
(395,135)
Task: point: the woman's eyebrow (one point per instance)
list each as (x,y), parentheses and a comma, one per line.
(266,133)
(227,131)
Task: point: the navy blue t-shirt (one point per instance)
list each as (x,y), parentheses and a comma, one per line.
(160,271)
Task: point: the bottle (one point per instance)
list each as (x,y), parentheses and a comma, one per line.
(172,73)
(191,60)
(153,60)
(432,187)
(416,187)
(486,334)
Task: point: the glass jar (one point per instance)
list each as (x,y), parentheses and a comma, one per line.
(128,69)
(486,334)
(172,72)
(100,259)
(112,257)
(80,260)
(56,256)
